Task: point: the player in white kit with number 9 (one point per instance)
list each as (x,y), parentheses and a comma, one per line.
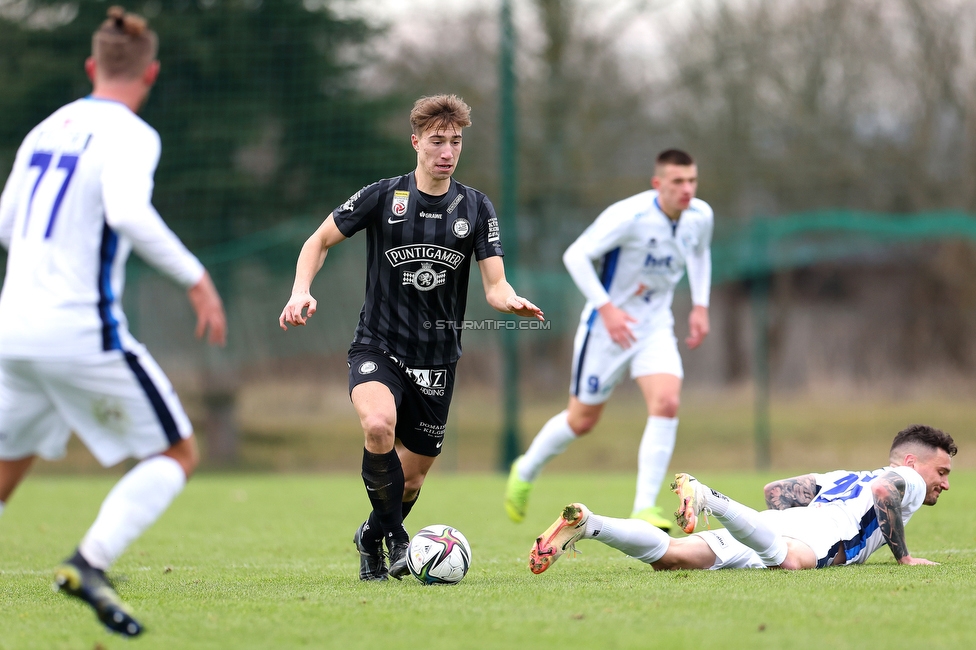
(627,265)
(77,201)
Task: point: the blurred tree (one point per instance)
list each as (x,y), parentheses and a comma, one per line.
(583,134)
(794,106)
(800,105)
(256,105)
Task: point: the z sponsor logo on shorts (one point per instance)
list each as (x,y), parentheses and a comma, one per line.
(367,368)
(431,381)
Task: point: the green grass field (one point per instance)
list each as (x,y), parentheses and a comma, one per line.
(265,561)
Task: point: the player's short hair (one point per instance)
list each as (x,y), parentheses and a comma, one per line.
(438,112)
(926,436)
(124,45)
(674,157)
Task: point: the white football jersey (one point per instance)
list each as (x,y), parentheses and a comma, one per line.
(77,201)
(641,255)
(848,497)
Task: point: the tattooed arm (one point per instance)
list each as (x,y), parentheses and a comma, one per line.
(888,491)
(790,492)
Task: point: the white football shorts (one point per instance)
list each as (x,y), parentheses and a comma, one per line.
(599,363)
(119,403)
(729,552)
(818,528)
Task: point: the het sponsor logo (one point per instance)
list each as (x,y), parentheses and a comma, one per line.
(658,262)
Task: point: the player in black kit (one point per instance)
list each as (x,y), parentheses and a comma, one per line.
(422,230)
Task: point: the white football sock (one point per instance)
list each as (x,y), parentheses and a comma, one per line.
(1,507)
(653,456)
(747,526)
(136,501)
(552,440)
(635,537)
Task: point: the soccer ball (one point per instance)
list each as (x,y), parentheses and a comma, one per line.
(439,554)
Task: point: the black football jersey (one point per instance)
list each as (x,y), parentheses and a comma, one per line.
(419,251)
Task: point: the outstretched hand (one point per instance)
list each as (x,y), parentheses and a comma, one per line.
(292,313)
(908,559)
(522,307)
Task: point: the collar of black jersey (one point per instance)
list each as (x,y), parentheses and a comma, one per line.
(441,201)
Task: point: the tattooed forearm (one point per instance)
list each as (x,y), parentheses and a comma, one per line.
(888,492)
(791,492)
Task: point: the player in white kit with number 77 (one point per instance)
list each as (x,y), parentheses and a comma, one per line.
(627,264)
(77,201)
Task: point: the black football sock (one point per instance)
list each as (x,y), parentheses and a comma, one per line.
(408,505)
(373,532)
(383,477)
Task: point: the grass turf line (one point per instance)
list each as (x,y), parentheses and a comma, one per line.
(264,561)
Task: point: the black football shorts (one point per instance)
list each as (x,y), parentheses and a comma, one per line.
(423,395)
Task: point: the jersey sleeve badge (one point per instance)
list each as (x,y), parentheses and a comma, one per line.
(349,205)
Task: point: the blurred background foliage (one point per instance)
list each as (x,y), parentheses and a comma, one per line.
(271,113)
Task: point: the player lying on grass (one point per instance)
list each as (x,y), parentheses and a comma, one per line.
(815,520)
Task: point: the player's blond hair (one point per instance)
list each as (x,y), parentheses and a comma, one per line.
(124,45)
(439,112)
